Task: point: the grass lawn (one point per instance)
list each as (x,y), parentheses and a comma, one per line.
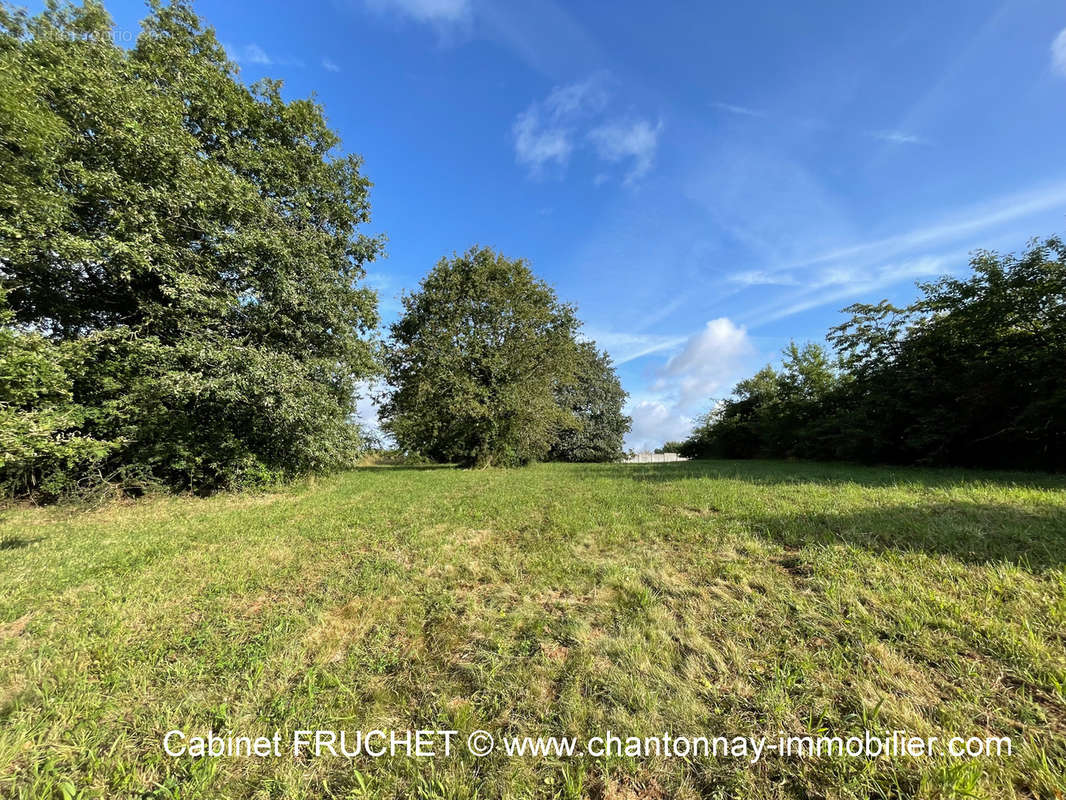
(713,598)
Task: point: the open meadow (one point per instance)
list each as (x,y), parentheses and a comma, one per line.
(713,598)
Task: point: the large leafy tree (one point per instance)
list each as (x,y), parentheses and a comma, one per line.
(594,396)
(476,362)
(195,238)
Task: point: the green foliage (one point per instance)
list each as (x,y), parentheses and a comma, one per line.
(42,448)
(595,398)
(194,240)
(476,362)
(970,374)
(772,413)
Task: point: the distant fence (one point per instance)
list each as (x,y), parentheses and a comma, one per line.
(653,458)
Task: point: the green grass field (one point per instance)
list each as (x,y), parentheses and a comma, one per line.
(715,598)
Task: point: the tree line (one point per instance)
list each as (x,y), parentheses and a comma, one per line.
(972,373)
(182,293)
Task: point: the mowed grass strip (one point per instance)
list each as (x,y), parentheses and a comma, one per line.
(714,598)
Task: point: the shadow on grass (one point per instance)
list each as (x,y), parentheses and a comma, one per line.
(16,542)
(773,473)
(973,533)
(1032,537)
(406,467)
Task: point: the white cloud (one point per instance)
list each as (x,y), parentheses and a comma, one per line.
(710,363)
(707,364)
(424,10)
(330,66)
(622,140)
(544,133)
(254,54)
(704,365)
(549,131)
(654,423)
(897,137)
(1058,53)
(577,99)
(537,144)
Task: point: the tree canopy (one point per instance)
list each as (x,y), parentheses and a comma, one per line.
(186,247)
(594,396)
(969,374)
(484,368)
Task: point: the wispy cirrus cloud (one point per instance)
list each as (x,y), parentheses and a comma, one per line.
(630,345)
(962,224)
(762,277)
(844,285)
(1058,53)
(773,205)
(896,137)
(541,33)
(889,136)
(743,111)
(844,274)
(330,66)
(424,10)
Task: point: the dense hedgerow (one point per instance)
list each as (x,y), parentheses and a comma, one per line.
(973,374)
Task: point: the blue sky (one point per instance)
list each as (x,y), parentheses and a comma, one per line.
(705,181)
